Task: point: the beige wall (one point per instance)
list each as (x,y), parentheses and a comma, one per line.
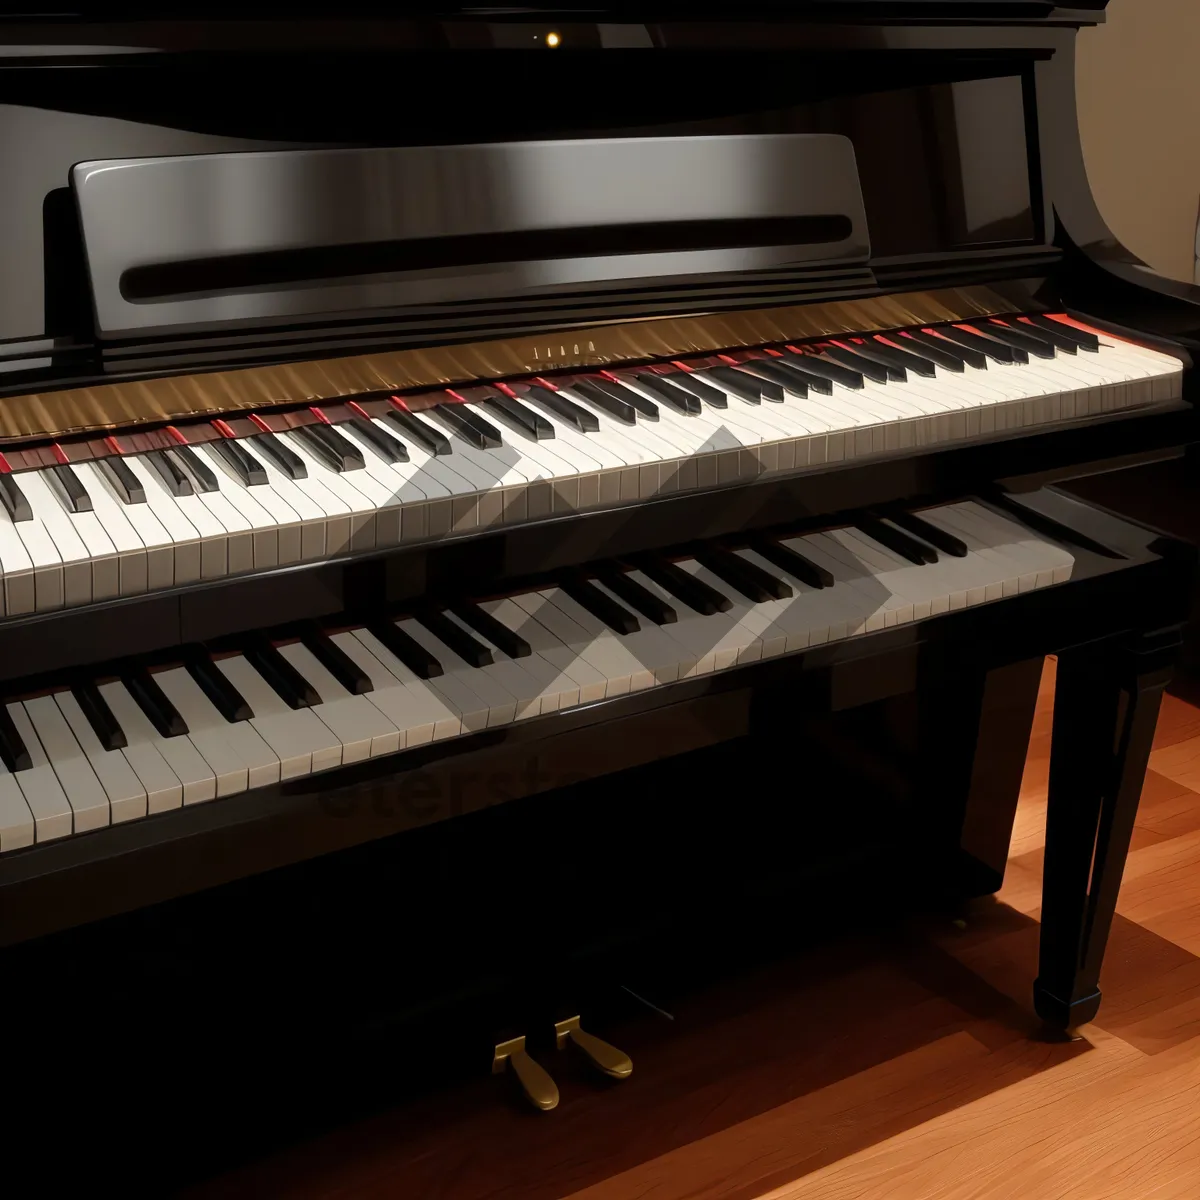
(1138,85)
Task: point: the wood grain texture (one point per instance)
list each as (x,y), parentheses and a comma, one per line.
(895,1065)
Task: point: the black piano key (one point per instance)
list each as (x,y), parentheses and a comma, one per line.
(777,373)
(619,410)
(832,371)
(793,363)
(12,748)
(898,542)
(602,607)
(285,681)
(910,360)
(492,436)
(430,439)
(281,455)
(995,350)
(1083,339)
(99,716)
(335,660)
(66,485)
(331,448)
(687,589)
(476,432)
(789,560)
(757,585)
(387,447)
(641,404)
(701,389)
(737,383)
(565,409)
(768,389)
(641,599)
(938,538)
(122,480)
(214,683)
(496,632)
(1031,342)
(153,702)
(13,498)
(950,358)
(408,650)
(680,400)
(1059,341)
(520,417)
(202,476)
(474,653)
(867,367)
(170,472)
(966,355)
(242,465)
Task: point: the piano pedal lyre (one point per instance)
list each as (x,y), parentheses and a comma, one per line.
(532,1078)
(608,1060)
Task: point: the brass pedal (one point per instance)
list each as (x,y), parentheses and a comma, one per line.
(532,1078)
(608,1060)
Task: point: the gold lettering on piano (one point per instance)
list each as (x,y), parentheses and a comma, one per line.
(160,399)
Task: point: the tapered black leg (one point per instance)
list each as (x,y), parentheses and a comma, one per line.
(1106,705)
(975,729)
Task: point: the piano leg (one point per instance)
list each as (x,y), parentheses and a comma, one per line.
(1106,705)
(975,730)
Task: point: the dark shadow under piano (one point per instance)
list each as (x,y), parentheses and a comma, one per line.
(225,1024)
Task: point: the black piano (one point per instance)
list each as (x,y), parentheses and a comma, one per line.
(455,430)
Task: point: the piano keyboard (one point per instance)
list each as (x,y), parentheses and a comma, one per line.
(93,521)
(139,742)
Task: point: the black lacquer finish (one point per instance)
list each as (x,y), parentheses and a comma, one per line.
(965,169)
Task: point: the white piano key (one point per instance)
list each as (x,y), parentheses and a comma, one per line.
(621,670)
(577,673)
(72,554)
(286,497)
(196,777)
(88,800)
(300,739)
(133,575)
(738,642)
(238,757)
(501,704)
(253,532)
(413,708)
(19,593)
(470,709)
(126,794)
(16,819)
(96,545)
(532,688)
(359,511)
(185,539)
(52,815)
(363,729)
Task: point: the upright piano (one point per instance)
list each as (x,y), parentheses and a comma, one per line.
(403,415)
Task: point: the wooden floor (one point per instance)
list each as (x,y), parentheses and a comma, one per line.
(902,1066)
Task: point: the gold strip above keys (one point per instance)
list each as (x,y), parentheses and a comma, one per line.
(108,406)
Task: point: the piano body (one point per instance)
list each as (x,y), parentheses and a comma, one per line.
(395,407)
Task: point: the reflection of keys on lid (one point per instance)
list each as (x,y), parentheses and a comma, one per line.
(532,1078)
(610,1061)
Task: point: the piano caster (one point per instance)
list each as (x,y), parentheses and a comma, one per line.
(608,1060)
(532,1078)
